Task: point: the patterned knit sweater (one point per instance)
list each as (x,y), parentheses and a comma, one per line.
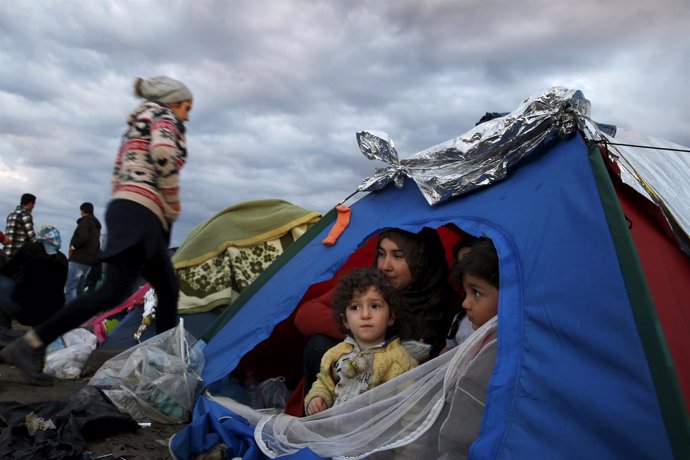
(147,168)
(346,371)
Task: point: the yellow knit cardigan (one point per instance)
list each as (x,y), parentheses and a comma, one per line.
(390,360)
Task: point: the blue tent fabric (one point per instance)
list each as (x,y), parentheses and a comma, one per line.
(571,378)
(213,425)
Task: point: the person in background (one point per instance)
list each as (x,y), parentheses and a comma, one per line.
(32,282)
(94,277)
(20,225)
(364,303)
(144,205)
(83,251)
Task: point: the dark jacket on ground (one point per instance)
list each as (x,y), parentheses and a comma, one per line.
(39,280)
(86,240)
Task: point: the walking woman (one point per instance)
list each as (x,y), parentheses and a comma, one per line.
(139,218)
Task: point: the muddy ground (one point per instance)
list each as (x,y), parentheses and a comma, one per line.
(150,443)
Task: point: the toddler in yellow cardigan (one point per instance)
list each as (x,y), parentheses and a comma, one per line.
(370,355)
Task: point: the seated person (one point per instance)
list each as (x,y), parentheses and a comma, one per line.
(478,271)
(415,264)
(32,282)
(365,303)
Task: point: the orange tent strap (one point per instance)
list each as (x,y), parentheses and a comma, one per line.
(341,223)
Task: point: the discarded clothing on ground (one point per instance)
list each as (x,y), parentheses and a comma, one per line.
(54,430)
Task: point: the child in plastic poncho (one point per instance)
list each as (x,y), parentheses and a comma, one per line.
(479,273)
(371,354)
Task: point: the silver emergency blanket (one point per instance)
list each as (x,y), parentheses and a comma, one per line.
(656,169)
(482,155)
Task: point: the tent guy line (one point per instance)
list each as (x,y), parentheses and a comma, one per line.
(605,142)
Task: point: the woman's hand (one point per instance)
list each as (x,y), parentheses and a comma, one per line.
(316,405)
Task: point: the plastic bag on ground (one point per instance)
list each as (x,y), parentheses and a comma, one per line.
(273,393)
(67,356)
(155,380)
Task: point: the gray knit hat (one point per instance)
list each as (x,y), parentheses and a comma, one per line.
(162,89)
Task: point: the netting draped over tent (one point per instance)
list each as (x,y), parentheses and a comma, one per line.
(404,418)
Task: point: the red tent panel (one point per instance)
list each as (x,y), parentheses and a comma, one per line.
(667,270)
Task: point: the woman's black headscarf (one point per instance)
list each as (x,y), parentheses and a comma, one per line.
(426,312)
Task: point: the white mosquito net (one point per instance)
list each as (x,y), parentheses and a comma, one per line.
(433,410)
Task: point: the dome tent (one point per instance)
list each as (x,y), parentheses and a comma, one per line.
(591,355)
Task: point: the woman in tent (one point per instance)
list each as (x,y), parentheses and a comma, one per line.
(416,265)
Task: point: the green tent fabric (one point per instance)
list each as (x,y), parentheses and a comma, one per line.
(223,255)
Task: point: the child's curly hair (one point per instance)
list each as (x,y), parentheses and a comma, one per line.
(481,261)
(359,281)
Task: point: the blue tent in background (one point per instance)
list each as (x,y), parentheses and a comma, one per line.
(583,367)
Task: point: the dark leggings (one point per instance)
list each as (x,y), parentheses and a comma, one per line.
(117,286)
(136,246)
(9,309)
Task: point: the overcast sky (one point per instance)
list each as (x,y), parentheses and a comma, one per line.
(281,88)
